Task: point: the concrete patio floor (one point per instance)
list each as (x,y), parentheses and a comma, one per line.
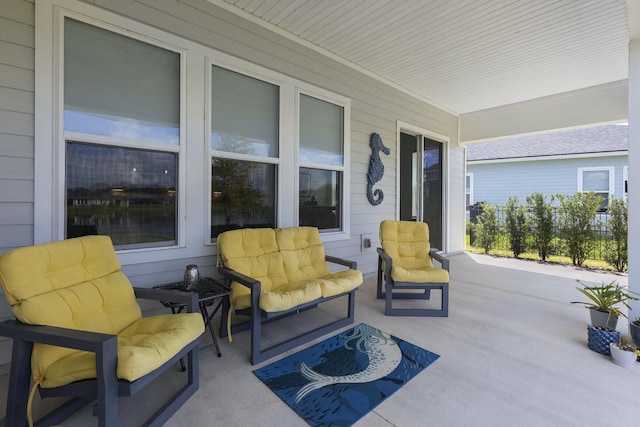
(513,353)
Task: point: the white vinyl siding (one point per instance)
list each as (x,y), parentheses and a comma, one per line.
(16,124)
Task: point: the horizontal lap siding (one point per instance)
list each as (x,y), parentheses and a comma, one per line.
(16,123)
(495,183)
(16,134)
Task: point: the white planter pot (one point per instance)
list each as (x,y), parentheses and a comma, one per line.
(621,357)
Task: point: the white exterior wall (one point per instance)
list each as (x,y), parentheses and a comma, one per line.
(375,107)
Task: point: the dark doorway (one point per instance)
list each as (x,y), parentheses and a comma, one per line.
(421,183)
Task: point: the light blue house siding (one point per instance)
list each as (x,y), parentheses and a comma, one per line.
(494,182)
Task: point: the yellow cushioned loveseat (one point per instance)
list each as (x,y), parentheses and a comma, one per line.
(278,272)
(79,323)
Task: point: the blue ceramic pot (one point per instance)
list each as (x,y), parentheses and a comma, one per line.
(600,338)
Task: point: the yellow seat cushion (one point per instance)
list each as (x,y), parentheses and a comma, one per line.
(254,253)
(143,347)
(407,243)
(340,282)
(290,295)
(427,275)
(289,263)
(77,284)
(304,259)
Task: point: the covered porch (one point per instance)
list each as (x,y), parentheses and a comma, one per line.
(513,352)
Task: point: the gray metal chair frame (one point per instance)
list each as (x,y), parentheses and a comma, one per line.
(260,317)
(394,290)
(106,387)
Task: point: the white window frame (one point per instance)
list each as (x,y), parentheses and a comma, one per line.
(281,161)
(50,137)
(610,169)
(470,193)
(345,103)
(287,162)
(194,157)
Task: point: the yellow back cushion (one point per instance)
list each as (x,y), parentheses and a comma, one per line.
(302,253)
(407,243)
(73,283)
(254,253)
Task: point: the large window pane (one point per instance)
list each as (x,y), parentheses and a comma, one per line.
(320,199)
(598,182)
(243,195)
(119,87)
(321,131)
(244,114)
(127,194)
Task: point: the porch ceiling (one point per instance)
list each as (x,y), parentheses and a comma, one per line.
(465,56)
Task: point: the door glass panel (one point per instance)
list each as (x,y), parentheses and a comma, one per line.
(432,190)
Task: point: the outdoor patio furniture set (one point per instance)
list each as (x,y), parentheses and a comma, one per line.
(79,330)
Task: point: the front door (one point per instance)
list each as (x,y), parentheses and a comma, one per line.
(421,183)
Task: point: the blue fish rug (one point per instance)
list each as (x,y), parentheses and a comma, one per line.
(338,381)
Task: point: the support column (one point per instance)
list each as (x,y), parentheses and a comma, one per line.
(634,172)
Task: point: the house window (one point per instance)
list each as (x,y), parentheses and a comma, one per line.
(468,190)
(122,134)
(245,144)
(321,157)
(600,180)
(265,172)
(625,179)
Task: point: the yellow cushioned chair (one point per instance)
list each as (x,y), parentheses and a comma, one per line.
(405,264)
(277,273)
(80,325)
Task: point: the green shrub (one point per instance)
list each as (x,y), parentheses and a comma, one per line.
(576,218)
(541,224)
(517,225)
(487,228)
(616,251)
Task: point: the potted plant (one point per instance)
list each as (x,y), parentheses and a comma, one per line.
(634,331)
(604,301)
(624,352)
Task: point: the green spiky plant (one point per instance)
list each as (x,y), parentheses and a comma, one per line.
(606,297)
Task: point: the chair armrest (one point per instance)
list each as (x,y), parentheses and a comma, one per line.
(440,258)
(61,337)
(351,264)
(388,262)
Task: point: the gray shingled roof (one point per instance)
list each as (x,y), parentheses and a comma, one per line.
(599,139)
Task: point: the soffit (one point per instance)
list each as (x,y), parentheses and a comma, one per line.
(463,55)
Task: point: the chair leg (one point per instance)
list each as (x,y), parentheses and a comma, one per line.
(106,368)
(19,381)
(423,312)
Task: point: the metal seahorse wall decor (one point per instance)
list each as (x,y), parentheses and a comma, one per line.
(376,169)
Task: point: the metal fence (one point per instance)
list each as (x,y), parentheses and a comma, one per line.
(598,248)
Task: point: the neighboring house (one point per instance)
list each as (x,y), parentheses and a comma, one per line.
(569,162)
